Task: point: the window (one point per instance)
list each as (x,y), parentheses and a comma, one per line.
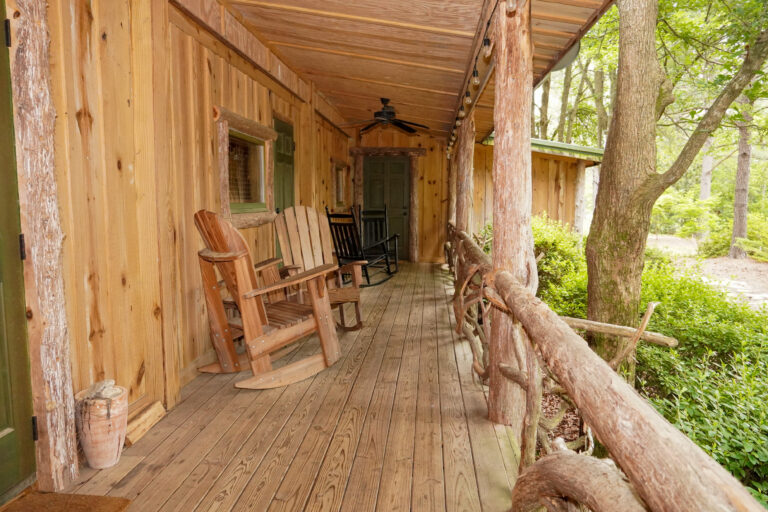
(246,173)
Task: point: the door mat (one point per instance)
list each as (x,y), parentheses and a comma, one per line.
(54,502)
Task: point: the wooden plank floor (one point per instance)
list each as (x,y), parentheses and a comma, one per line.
(398,423)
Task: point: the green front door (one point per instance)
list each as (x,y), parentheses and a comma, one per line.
(386,182)
(283,165)
(17,448)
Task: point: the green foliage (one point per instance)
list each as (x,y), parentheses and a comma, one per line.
(713,386)
(680,213)
(756,244)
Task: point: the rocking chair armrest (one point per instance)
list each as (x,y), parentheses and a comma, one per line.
(258,267)
(293,280)
(348,267)
(289,270)
(213,256)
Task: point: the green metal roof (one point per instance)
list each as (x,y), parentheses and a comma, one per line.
(594,155)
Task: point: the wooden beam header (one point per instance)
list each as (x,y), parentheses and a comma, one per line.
(387,151)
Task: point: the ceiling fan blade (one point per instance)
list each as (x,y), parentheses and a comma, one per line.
(368,127)
(399,124)
(414,124)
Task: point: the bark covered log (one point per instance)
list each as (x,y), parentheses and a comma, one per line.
(464,170)
(512,235)
(34,117)
(668,470)
(590,481)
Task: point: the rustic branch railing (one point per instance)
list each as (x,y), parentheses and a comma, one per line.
(667,470)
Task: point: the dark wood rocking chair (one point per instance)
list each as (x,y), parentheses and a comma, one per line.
(348,242)
(269,319)
(374,226)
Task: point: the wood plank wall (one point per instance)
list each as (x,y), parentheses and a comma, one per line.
(106,193)
(554,185)
(433,184)
(108,185)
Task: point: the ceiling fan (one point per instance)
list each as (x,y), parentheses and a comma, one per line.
(386,116)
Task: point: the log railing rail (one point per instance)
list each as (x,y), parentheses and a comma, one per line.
(666,470)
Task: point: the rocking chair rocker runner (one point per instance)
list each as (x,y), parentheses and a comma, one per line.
(269,320)
(348,241)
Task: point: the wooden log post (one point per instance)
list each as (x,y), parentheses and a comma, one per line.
(34,117)
(464,169)
(358,179)
(413,225)
(452,188)
(512,236)
(578,214)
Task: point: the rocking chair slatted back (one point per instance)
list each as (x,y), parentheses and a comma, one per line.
(306,243)
(304,236)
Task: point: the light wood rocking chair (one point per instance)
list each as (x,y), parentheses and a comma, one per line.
(268,319)
(306,244)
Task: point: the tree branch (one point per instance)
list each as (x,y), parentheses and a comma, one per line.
(753,61)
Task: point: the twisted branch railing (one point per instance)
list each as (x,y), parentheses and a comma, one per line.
(665,469)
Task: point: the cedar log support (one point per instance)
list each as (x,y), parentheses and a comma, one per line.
(34,116)
(464,170)
(452,189)
(413,225)
(512,235)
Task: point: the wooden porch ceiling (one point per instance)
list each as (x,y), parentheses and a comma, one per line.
(417,53)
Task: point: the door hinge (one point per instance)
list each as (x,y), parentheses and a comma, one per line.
(22,247)
(34,428)
(7,25)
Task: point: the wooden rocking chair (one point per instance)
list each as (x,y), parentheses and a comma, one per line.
(268,319)
(348,241)
(305,244)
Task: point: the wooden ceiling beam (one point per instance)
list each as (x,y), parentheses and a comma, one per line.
(367,57)
(374,98)
(353,17)
(546,16)
(379,82)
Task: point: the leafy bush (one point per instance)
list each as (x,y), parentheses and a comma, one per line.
(756,244)
(679,213)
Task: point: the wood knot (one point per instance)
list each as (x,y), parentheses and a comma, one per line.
(29,314)
(103,36)
(119,165)
(157,311)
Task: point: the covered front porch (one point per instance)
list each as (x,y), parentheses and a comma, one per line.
(398,423)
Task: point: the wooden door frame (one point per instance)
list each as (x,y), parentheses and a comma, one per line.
(413,154)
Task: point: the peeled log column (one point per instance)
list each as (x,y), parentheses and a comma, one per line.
(464,163)
(512,236)
(452,189)
(413,230)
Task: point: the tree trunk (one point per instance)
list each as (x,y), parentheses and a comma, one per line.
(573,111)
(512,189)
(561,123)
(707,164)
(629,184)
(617,237)
(741,192)
(544,111)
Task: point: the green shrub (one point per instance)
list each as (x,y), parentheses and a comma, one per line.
(756,244)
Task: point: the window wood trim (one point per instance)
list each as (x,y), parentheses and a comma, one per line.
(225,121)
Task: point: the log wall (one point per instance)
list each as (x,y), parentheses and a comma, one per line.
(554,186)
